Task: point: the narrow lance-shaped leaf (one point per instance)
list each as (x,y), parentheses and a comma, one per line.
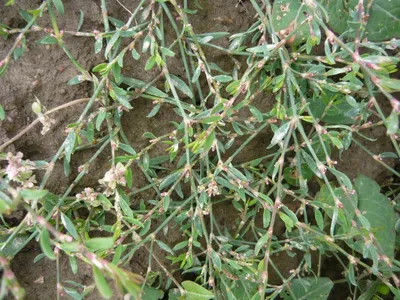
(2,113)
(112,42)
(69,226)
(170,179)
(59,5)
(392,123)
(260,243)
(181,85)
(280,134)
(165,247)
(99,243)
(81,16)
(46,245)
(69,145)
(196,292)
(101,283)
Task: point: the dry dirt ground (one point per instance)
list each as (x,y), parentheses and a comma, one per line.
(43,72)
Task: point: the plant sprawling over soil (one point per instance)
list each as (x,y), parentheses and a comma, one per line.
(205,164)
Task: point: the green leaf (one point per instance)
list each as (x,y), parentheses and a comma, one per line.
(99,119)
(149,135)
(166,202)
(292,174)
(117,23)
(216,260)
(145,228)
(27,17)
(100,243)
(136,83)
(154,111)
(196,75)
(256,113)
(59,6)
(319,218)
(134,221)
(72,293)
(223,78)
(129,177)
(33,194)
(146,163)
(3,69)
(74,265)
(165,247)
(280,134)
(287,220)
(127,148)
(181,85)
(69,145)
(390,85)
(349,203)
(209,141)
(135,54)
(212,119)
(81,16)
(309,288)
(170,179)
(377,209)
(112,42)
(98,45)
(124,204)
(19,51)
(46,245)
(101,283)
(12,248)
(150,63)
(342,178)
(236,173)
(76,80)
(392,123)
(2,113)
(150,293)
(265,49)
(180,245)
(266,218)
(70,246)
(328,53)
(124,101)
(167,52)
(311,163)
(225,183)
(47,40)
(69,226)
(260,243)
(233,87)
(195,291)
(120,59)
(116,70)
(351,276)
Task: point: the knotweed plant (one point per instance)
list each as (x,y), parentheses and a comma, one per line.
(329,69)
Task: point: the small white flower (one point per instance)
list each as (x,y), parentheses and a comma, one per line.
(114,177)
(19,170)
(87,194)
(212,189)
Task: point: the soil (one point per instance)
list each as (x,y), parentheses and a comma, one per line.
(43,71)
